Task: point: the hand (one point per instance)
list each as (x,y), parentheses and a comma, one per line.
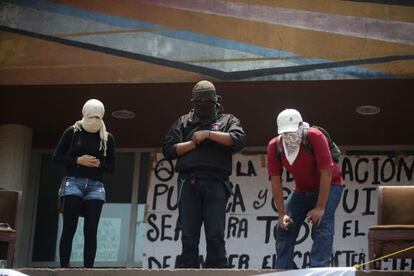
(96,163)
(200,136)
(314,216)
(88,161)
(285,222)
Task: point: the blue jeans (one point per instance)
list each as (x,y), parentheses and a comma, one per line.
(82,187)
(297,206)
(202,201)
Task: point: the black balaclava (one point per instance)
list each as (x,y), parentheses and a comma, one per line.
(204,100)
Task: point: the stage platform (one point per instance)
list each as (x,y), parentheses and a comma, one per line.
(175,272)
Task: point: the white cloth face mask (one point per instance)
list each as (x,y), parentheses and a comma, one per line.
(291,144)
(92,124)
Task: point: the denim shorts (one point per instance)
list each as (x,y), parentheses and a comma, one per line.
(83,187)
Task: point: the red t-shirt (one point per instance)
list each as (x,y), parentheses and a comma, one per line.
(306,168)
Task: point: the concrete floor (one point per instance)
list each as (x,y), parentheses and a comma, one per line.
(174,272)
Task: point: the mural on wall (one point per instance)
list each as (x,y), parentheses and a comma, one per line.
(251,216)
(75,41)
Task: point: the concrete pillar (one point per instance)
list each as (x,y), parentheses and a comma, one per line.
(15,152)
(15,158)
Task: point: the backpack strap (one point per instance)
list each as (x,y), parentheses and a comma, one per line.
(278,150)
(333,148)
(306,144)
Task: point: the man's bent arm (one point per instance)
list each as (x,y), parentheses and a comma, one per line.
(184,147)
(223,138)
(324,188)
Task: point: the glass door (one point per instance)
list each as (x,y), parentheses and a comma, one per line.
(114,225)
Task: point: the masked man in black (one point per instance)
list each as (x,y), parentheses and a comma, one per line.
(203,141)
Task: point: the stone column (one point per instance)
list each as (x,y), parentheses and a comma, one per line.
(15,158)
(15,153)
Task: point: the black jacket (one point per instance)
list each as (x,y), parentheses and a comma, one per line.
(209,156)
(73,145)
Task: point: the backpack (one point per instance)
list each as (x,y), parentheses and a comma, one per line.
(333,148)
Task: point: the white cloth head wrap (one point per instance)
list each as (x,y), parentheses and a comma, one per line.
(93,112)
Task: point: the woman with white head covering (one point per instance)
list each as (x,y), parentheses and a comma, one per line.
(87,151)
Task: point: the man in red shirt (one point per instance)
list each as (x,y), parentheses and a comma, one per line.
(316,193)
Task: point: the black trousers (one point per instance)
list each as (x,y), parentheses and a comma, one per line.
(202,201)
(91,210)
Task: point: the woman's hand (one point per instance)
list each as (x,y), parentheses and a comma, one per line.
(88,161)
(96,163)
